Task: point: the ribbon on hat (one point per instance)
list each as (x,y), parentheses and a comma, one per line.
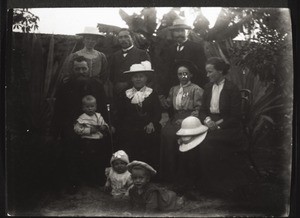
(118,154)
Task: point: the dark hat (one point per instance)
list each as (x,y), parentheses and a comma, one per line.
(184,62)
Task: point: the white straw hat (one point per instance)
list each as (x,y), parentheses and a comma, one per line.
(179,24)
(90,31)
(144,66)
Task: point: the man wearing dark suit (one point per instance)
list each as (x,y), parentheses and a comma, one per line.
(183,49)
(123,59)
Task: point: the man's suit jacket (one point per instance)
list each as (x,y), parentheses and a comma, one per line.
(193,52)
(229,104)
(119,63)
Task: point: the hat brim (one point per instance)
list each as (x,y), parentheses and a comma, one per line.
(90,34)
(194,143)
(138,71)
(180,26)
(144,165)
(188,132)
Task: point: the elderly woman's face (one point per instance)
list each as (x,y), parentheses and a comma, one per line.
(90,41)
(139,80)
(184,75)
(213,75)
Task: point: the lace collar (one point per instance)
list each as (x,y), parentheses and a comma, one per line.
(137,97)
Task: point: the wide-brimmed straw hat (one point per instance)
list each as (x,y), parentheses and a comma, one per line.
(179,24)
(140,164)
(192,128)
(90,31)
(144,66)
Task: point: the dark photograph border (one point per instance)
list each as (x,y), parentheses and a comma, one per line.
(7,63)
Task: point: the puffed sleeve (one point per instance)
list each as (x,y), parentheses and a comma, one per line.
(197,101)
(170,98)
(104,72)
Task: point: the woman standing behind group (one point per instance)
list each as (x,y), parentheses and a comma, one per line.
(184,100)
(97,61)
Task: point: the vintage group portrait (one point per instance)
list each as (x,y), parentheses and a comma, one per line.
(149,111)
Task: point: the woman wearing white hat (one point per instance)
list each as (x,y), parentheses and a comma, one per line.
(97,61)
(138,116)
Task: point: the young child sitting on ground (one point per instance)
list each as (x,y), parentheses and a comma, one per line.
(118,178)
(148,197)
(93,150)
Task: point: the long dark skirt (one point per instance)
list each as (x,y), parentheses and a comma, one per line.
(222,167)
(169,153)
(139,145)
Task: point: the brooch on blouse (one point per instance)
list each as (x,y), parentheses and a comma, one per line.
(185,95)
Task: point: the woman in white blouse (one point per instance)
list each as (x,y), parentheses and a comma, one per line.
(184,100)
(223,170)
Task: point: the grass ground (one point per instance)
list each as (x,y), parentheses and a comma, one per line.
(33,186)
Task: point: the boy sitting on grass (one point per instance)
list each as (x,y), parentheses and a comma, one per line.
(147,197)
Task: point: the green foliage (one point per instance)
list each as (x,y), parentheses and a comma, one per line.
(24,20)
(262,63)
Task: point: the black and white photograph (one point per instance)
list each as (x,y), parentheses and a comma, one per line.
(149,111)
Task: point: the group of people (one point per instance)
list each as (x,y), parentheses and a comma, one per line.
(93,125)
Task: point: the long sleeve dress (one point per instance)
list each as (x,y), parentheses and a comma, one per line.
(131,121)
(97,63)
(190,105)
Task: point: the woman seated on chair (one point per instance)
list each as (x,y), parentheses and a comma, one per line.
(184,100)
(221,169)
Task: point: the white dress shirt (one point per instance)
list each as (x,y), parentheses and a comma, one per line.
(215,97)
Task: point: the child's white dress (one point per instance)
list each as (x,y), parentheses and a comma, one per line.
(120,183)
(84,123)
